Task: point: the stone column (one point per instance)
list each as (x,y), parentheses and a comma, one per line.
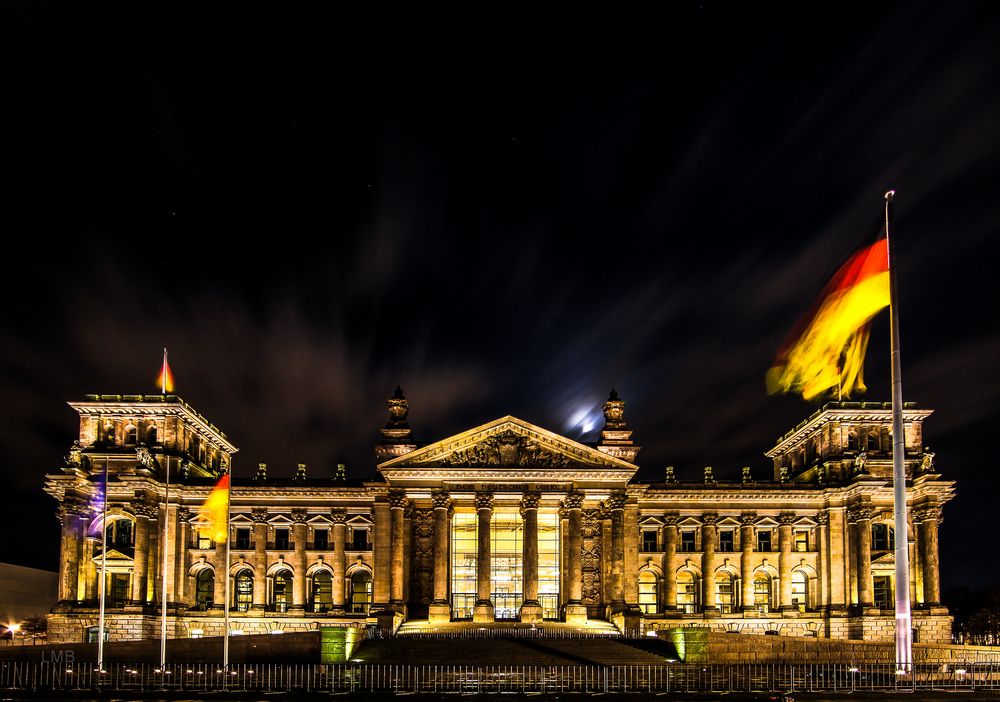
(575,611)
(483,611)
(382,553)
(531,609)
(785,561)
(439,610)
(747,521)
(863,516)
(930,518)
(839,560)
(259,516)
(140,558)
(823,559)
(339,518)
(89,569)
(183,542)
(670,562)
(221,573)
(709,536)
(397,505)
(300,534)
(70,549)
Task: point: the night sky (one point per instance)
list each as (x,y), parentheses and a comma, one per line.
(503,215)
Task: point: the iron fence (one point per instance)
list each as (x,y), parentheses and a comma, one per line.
(48,676)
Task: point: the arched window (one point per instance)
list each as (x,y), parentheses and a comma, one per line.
(361,591)
(871,441)
(151,435)
(852,441)
(883,537)
(281,591)
(120,535)
(131,434)
(243,597)
(204,589)
(762,592)
(687,592)
(800,590)
(725,596)
(322,591)
(647,591)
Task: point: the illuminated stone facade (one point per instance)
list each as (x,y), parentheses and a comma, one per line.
(506,521)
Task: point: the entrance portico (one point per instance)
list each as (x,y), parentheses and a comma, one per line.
(497,516)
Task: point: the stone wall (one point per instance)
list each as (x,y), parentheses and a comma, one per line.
(72,628)
(931,627)
(700,645)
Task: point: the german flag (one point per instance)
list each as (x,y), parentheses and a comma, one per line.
(217,508)
(166,378)
(827,349)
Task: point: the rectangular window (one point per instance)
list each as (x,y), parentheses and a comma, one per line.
(321,539)
(724,596)
(359,539)
(281,539)
(763,540)
(204,541)
(649,540)
(242,539)
(464,548)
(726,541)
(120,583)
(883,592)
(802,540)
(687,540)
(548,564)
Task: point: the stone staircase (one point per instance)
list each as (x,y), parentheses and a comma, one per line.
(512,644)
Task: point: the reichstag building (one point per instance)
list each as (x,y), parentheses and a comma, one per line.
(505,521)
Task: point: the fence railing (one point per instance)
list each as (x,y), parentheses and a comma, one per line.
(52,676)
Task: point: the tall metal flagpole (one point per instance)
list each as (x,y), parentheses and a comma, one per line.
(225,574)
(163,587)
(904,632)
(104,573)
(166,531)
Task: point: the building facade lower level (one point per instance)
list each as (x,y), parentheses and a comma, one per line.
(506,521)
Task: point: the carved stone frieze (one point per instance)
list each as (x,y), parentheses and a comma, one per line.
(507,448)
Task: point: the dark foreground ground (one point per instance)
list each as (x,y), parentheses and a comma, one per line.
(932,696)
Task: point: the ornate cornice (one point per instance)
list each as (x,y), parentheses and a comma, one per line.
(530,500)
(574,499)
(484,500)
(397,499)
(861,513)
(441,499)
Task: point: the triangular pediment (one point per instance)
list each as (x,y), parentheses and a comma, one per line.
(508,442)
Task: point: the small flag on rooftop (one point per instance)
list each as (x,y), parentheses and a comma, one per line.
(166,379)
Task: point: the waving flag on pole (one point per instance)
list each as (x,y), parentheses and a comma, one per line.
(166,378)
(827,349)
(217,508)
